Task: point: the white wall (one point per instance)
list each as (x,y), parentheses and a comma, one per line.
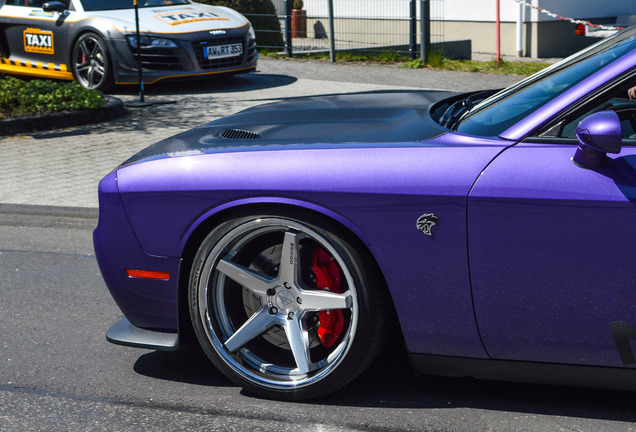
(485,10)
(481,10)
(383,9)
(474,10)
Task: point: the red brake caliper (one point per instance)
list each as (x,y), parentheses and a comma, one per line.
(328,279)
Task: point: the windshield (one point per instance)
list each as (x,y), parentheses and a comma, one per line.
(98,5)
(500,112)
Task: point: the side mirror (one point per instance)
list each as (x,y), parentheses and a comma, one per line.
(54,6)
(598,134)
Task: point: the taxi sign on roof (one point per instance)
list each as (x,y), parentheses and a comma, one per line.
(183,17)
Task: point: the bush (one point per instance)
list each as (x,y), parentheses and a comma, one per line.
(262,15)
(20,98)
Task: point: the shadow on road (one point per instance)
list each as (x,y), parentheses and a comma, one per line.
(188,365)
(210,85)
(390,383)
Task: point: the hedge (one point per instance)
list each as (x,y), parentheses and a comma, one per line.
(262,15)
(21,98)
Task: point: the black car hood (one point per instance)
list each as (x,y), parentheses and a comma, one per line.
(376,117)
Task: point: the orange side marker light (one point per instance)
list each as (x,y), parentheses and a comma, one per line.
(146,274)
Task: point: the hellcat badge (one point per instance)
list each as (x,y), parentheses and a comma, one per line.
(426,222)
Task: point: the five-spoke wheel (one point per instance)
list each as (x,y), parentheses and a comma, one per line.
(284,307)
(91,64)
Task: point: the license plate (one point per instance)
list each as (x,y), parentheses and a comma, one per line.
(222,51)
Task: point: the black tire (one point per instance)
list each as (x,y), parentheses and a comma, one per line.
(265,332)
(90,62)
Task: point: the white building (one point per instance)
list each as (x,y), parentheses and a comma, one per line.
(524,28)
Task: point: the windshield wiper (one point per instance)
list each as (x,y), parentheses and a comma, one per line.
(458,110)
(455,111)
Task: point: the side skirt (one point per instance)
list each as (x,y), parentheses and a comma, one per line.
(36,69)
(518,371)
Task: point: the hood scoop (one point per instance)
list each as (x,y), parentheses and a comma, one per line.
(238,134)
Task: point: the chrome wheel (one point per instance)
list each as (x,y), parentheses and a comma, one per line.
(276,305)
(91,66)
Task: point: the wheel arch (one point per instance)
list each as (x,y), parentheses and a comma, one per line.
(202,227)
(81,32)
(104,34)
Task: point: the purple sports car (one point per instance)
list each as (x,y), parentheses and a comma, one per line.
(490,232)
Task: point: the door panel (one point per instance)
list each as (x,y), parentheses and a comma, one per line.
(34,41)
(552,249)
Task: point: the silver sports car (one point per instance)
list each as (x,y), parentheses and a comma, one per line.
(95,43)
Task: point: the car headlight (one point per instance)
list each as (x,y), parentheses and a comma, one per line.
(251,33)
(150,42)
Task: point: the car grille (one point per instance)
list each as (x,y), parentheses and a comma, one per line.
(218,63)
(160,59)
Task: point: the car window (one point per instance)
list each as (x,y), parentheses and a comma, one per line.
(97,5)
(626,111)
(613,98)
(500,112)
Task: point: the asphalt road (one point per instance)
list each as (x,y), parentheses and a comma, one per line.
(58,373)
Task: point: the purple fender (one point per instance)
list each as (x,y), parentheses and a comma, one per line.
(386,194)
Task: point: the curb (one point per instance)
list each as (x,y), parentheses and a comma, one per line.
(113,108)
(53,211)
